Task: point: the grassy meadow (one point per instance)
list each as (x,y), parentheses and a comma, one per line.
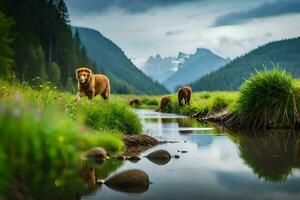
(200,102)
(43,127)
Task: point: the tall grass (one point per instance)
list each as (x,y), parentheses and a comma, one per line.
(44,132)
(268,99)
(98,114)
(112,115)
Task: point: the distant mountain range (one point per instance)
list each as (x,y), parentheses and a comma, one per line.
(195,66)
(110,59)
(286,53)
(161,69)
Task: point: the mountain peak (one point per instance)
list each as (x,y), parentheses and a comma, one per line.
(181,55)
(203,51)
(194,66)
(158,56)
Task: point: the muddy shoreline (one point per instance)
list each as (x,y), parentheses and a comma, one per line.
(135,144)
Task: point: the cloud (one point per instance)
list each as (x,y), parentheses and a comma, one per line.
(130,6)
(174,32)
(269,9)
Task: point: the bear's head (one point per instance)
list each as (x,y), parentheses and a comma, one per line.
(83,75)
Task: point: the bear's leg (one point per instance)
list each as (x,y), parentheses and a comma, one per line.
(78,95)
(91,94)
(179,101)
(188,99)
(104,96)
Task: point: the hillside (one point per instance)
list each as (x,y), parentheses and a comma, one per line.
(197,65)
(230,77)
(37,44)
(160,68)
(111,60)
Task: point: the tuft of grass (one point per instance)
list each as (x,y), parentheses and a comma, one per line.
(111,115)
(268,99)
(218,102)
(151,102)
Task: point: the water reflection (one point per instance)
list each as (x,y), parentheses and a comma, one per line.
(217,165)
(272,155)
(65,183)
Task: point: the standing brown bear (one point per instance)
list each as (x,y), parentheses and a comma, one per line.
(90,84)
(184,93)
(165,100)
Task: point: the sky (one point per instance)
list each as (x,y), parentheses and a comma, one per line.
(229,28)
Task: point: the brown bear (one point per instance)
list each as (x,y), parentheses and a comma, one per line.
(90,84)
(184,93)
(165,100)
(135,102)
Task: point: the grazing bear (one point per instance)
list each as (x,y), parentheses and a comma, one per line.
(135,101)
(165,100)
(184,93)
(90,84)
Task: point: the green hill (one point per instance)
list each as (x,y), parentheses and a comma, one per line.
(285,53)
(111,60)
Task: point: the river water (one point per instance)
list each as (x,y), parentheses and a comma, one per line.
(214,165)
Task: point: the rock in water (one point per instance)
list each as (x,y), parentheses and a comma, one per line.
(134,159)
(121,157)
(132,181)
(97,153)
(159,157)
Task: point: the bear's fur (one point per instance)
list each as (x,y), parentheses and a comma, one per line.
(165,100)
(90,84)
(135,101)
(184,93)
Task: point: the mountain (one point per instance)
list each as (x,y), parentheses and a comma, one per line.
(197,65)
(160,68)
(230,77)
(110,59)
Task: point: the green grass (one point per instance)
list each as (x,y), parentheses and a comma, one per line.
(47,129)
(114,114)
(200,101)
(268,99)
(111,115)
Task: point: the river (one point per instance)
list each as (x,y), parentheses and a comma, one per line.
(214,164)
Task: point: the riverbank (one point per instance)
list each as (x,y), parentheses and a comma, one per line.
(135,144)
(267,100)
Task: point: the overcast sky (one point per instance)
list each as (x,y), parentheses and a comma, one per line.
(229,28)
